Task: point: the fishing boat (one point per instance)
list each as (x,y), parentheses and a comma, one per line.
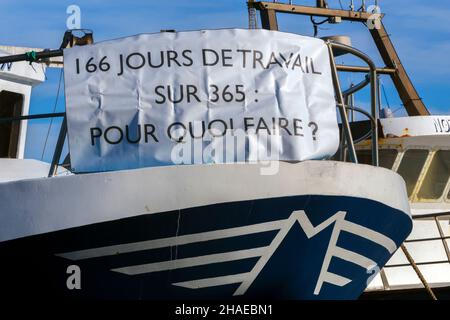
(320,227)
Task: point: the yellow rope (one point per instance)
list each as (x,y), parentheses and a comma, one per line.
(419,274)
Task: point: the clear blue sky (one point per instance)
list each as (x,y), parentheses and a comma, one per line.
(419,30)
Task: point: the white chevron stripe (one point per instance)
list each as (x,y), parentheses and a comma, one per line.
(212,282)
(172,241)
(354,257)
(307,226)
(191,262)
(336,279)
(369,234)
(323,276)
(264,253)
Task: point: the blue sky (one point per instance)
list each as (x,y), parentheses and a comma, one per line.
(419,31)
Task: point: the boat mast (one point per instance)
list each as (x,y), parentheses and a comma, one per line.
(405,88)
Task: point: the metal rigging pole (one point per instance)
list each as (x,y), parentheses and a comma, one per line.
(405,88)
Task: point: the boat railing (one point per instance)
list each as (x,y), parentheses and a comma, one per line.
(426,259)
(437,217)
(342,100)
(61,136)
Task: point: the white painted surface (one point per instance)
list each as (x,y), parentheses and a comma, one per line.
(428,229)
(44,205)
(398,258)
(376,283)
(20,169)
(437,270)
(427,251)
(437,275)
(416,126)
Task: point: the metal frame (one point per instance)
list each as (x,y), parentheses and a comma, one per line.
(355,88)
(33,116)
(270,8)
(342,103)
(35,57)
(61,136)
(412,263)
(405,88)
(363,69)
(371,119)
(58,148)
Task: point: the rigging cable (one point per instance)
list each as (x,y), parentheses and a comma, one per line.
(385,95)
(398,109)
(316,24)
(54,110)
(418,272)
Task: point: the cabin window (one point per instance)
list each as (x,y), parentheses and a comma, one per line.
(386,157)
(436,177)
(10,106)
(411,166)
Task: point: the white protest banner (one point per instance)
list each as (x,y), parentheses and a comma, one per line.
(207,96)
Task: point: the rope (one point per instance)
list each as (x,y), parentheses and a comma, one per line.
(419,274)
(398,109)
(54,110)
(385,95)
